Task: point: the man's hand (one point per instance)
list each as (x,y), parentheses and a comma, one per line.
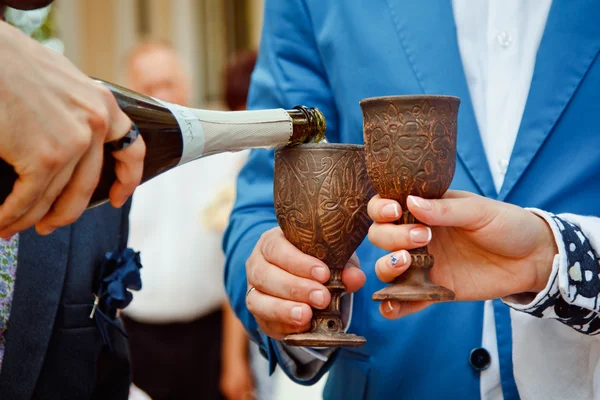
(288,283)
(54,121)
(483,249)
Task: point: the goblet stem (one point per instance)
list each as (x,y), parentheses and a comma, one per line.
(329,320)
(327,329)
(414,284)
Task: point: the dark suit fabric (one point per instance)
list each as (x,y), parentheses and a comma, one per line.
(53,348)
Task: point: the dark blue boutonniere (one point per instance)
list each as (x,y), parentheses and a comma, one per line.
(121,272)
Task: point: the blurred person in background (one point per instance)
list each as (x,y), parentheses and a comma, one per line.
(235,375)
(179,325)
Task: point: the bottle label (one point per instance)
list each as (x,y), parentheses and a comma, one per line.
(192,133)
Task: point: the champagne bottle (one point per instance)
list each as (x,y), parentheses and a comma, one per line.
(175,135)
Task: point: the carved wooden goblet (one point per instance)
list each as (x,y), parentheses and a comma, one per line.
(410,148)
(321,194)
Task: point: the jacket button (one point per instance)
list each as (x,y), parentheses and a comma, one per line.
(480,359)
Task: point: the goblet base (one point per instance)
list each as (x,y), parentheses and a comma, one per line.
(403,292)
(317,339)
(414,285)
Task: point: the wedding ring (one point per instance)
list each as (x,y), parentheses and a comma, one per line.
(126,140)
(251,288)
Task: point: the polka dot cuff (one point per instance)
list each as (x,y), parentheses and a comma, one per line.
(572,293)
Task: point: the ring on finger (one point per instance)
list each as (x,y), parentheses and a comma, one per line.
(250,289)
(126,140)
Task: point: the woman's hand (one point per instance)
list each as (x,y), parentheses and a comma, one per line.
(483,249)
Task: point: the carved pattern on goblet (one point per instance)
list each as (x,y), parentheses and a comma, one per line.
(321,193)
(410,149)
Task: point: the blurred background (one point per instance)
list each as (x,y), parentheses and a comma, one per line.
(99,38)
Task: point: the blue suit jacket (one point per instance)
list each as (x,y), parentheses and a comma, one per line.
(332,54)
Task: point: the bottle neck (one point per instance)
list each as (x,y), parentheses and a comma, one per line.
(189,134)
(232,131)
(308,125)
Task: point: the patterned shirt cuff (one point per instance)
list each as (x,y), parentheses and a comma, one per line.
(571,295)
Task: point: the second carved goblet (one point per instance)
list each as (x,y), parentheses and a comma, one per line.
(321,193)
(410,148)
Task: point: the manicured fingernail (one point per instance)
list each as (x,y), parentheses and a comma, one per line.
(390,306)
(319,273)
(399,258)
(390,211)
(420,234)
(421,203)
(317,298)
(296,313)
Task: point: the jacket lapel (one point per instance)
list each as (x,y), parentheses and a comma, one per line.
(428,36)
(41,269)
(569,46)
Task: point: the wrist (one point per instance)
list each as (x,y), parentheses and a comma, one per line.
(543,257)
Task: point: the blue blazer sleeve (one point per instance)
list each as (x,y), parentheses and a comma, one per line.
(289,72)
